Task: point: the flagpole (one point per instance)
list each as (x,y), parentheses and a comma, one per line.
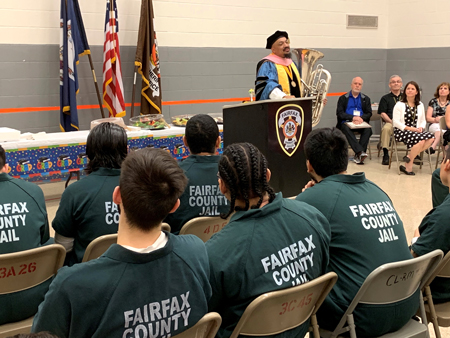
(96,86)
(111,12)
(134,91)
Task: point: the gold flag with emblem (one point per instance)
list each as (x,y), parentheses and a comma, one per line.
(147,61)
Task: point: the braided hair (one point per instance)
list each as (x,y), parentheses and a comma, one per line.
(243,170)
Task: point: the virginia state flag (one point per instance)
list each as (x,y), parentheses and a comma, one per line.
(73,44)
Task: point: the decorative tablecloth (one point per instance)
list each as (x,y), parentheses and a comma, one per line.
(59,154)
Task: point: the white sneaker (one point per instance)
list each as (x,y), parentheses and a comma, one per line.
(357,159)
(362,157)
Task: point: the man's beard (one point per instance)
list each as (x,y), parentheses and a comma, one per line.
(287,55)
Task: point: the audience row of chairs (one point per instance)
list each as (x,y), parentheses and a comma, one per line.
(270,313)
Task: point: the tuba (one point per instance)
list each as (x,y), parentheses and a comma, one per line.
(314,83)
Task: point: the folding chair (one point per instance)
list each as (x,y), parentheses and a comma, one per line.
(204,227)
(31,268)
(282,310)
(165,227)
(99,246)
(375,137)
(443,127)
(395,149)
(438,314)
(206,327)
(358,135)
(382,286)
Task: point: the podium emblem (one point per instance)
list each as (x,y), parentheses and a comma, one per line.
(289,126)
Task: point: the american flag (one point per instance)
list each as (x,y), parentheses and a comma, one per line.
(112,71)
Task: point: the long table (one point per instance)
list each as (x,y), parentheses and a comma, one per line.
(62,154)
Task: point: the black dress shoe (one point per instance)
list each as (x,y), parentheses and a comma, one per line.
(385,160)
(430,151)
(406,172)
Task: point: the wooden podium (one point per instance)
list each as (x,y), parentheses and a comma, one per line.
(278,128)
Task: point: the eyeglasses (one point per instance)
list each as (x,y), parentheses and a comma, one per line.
(399,81)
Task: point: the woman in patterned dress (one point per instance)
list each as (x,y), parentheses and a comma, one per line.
(437,108)
(409,123)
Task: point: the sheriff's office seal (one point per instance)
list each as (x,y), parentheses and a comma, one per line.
(289,126)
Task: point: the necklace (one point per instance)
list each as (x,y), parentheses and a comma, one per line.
(291,76)
(413,111)
(442,104)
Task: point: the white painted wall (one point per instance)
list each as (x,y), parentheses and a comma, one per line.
(238,23)
(242,23)
(205,23)
(419,23)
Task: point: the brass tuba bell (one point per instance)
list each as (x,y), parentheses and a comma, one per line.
(312,82)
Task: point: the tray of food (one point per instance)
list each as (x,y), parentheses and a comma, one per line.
(181,120)
(151,121)
(218,117)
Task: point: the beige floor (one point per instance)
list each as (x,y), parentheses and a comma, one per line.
(411,195)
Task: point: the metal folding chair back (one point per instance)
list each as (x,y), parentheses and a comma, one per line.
(204,227)
(438,314)
(206,327)
(279,311)
(24,270)
(388,284)
(165,227)
(375,137)
(99,246)
(382,123)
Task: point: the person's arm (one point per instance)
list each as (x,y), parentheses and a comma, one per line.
(421,120)
(277,94)
(382,109)
(64,222)
(54,312)
(434,232)
(447,117)
(397,115)
(341,110)
(386,118)
(430,118)
(66,242)
(266,81)
(44,229)
(367,110)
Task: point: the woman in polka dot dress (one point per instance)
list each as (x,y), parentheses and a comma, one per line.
(409,124)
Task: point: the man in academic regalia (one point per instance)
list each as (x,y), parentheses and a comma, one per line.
(277,75)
